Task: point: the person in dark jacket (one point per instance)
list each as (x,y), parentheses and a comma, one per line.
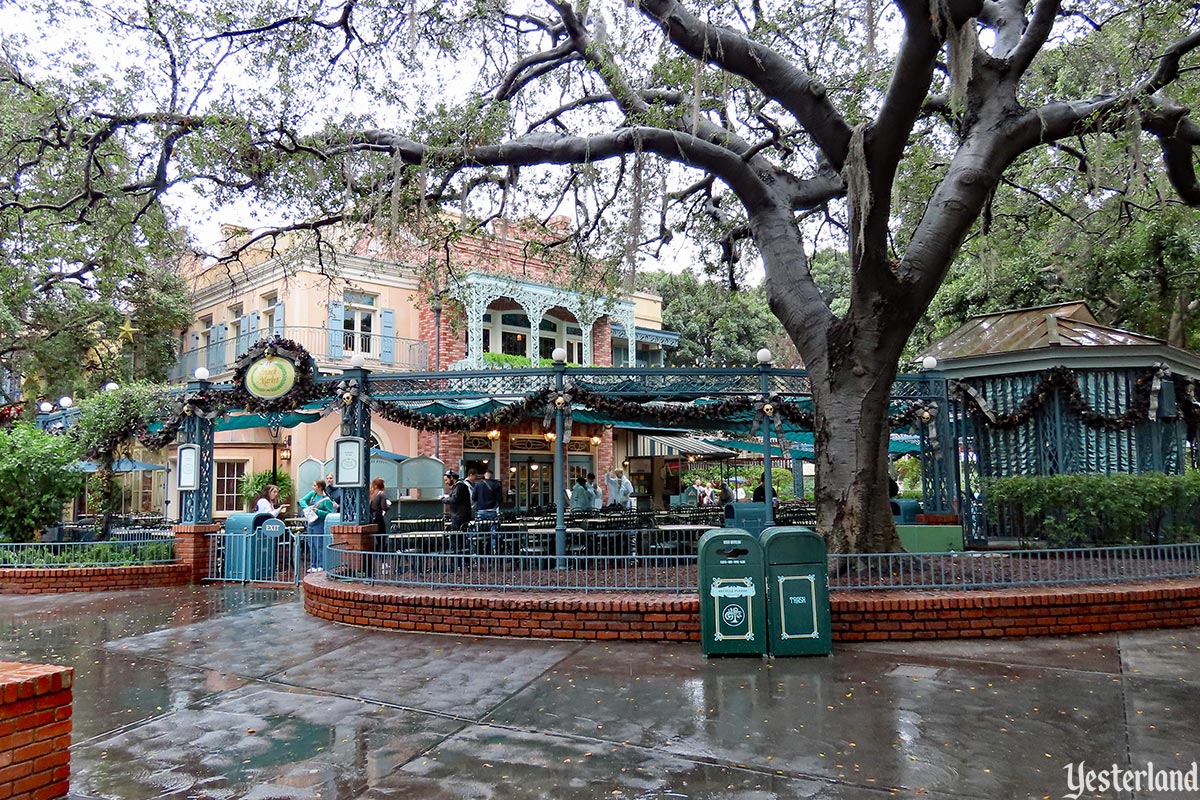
(458,500)
(760,491)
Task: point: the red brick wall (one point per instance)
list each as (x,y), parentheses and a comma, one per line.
(193,546)
(546,616)
(93,579)
(856,617)
(1044,611)
(35,730)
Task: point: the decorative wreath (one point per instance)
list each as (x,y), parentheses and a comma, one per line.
(305,391)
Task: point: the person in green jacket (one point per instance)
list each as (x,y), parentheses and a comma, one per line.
(318,540)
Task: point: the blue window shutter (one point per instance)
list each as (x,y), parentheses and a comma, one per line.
(337,316)
(277,325)
(251,329)
(243,337)
(387,336)
(216,349)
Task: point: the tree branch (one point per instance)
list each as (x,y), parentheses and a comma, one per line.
(803,96)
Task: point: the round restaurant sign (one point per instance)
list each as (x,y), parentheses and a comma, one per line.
(270,377)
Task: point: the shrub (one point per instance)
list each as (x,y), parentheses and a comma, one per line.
(35,467)
(1081,510)
(252,486)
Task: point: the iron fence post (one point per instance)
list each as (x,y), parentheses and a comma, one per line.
(195,505)
(356,421)
(560,528)
(764,384)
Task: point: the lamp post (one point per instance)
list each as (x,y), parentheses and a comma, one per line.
(274,429)
(560,529)
(435,305)
(764,382)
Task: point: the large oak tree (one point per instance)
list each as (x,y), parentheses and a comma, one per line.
(771,129)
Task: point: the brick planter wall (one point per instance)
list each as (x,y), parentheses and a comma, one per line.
(546,616)
(856,617)
(93,579)
(35,730)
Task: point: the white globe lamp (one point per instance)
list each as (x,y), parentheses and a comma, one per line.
(764,356)
(929,362)
(559,355)
(358,361)
(66,401)
(201,373)
(108,387)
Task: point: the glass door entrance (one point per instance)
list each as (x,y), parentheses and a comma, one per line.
(532,480)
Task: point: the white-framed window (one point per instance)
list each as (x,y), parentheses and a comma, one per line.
(267,316)
(227,486)
(206,325)
(358,323)
(514,333)
(235,321)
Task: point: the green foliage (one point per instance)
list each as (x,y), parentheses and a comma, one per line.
(112,554)
(107,420)
(35,469)
(504,360)
(1082,510)
(104,429)
(908,475)
(715,326)
(781,479)
(67,284)
(252,486)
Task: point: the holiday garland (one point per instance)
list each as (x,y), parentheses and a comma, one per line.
(459,423)
(1064,380)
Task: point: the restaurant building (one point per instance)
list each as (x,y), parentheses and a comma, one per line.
(398,304)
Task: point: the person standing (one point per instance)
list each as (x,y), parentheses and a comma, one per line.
(458,501)
(581,497)
(597,491)
(316,506)
(620,490)
(726,496)
(486,495)
(333,492)
(760,491)
(378,505)
(267,500)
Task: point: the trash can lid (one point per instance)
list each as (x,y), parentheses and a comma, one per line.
(793,545)
(729,545)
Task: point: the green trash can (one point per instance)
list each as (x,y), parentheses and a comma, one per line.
(746,516)
(733,614)
(241,552)
(797,592)
(906,511)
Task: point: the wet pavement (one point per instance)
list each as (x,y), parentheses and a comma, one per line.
(230,693)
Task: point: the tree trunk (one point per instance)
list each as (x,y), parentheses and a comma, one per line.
(851,436)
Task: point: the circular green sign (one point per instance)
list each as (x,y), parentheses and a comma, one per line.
(270,377)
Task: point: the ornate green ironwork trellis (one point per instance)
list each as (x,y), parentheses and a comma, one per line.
(695,397)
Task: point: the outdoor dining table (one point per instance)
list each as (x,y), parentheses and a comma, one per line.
(674,539)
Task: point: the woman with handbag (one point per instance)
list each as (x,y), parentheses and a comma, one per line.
(316,506)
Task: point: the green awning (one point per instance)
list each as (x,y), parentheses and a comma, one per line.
(238,422)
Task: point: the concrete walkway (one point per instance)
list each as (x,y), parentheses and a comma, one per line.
(232,693)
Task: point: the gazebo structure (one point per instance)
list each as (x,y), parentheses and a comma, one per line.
(1051,391)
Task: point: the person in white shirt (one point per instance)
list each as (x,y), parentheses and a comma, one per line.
(596,490)
(267,500)
(620,490)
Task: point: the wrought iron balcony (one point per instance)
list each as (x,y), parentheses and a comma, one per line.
(330,349)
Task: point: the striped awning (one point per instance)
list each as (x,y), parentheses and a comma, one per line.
(680,446)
